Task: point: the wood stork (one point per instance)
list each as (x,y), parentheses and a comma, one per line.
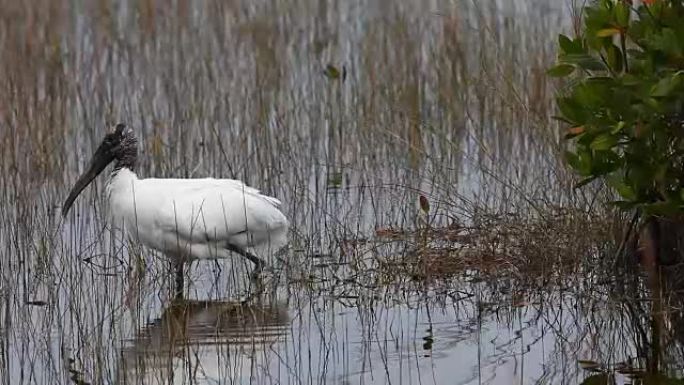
(186,219)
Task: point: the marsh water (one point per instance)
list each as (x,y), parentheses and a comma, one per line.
(436,237)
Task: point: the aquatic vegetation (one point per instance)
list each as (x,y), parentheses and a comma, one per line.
(411,143)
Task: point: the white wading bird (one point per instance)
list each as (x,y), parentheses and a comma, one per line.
(186,219)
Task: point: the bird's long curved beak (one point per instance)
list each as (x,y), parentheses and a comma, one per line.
(100,160)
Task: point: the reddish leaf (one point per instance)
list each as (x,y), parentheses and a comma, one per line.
(424,204)
(576,130)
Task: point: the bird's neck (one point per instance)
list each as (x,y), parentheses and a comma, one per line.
(121,180)
(123,176)
(121,192)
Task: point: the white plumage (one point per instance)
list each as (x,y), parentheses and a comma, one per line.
(196,218)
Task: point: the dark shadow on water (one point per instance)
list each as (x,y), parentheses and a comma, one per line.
(192,337)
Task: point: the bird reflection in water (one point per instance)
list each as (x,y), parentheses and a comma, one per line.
(203,342)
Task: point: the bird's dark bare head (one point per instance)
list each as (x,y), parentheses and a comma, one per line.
(119,145)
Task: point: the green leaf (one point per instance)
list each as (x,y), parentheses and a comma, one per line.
(622,13)
(660,208)
(569,46)
(667,41)
(667,85)
(571,110)
(566,45)
(584,61)
(625,191)
(560,70)
(573,160)
(618,128)
(652,103)
(629,80)
(602,80)
(586,161)
(639,175)
(605,162)
(603,142)
(590,97)
(614,57)
(663,88)
(585,140)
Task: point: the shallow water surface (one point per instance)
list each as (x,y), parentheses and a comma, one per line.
(436,237)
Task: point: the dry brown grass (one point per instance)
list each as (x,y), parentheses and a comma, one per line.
(500,247)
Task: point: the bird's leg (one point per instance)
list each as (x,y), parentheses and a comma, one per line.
(259,263)
(180,280)
(217,272)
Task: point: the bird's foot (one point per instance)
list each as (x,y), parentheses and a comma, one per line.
(257,272)
(262,276)
(179,281)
